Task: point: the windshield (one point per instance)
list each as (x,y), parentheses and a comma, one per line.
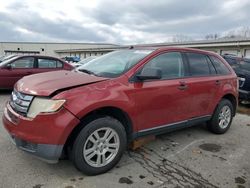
(86,60)
(6,61)
(114,63)
(4,58)
(1,58)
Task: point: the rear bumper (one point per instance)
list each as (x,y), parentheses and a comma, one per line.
(244,95)
(44,136)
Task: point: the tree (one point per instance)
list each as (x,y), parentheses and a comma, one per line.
(212,36)
(181,38)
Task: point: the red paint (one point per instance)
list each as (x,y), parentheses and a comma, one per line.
(148,104)
(45,84)
(8,77)
(44,129)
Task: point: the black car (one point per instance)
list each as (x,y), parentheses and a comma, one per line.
(241,67)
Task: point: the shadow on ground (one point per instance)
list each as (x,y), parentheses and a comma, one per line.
(244,108)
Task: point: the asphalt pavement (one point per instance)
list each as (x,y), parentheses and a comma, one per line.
(192,157)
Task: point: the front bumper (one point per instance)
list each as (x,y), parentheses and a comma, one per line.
(46,152)
(244,95)
(44,136)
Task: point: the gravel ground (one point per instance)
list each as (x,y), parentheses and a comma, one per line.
(191,157)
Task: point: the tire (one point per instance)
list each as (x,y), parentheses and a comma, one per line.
(89,153)
(222,117)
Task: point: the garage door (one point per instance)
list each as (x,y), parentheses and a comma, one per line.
(247,53)
(232,52)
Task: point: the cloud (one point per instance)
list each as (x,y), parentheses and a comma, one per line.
(124,22)
(59,30)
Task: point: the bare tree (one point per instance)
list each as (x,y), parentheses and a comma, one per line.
(212,36)
(181,38)
(242,32)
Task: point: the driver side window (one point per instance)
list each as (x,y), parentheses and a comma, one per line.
(170,64)
(23,63)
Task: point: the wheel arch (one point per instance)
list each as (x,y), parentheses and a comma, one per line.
(111,111)
(233,100)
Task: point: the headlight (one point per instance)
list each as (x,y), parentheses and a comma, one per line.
(42,105)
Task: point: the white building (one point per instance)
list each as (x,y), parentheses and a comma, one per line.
(239,47)
(43,48)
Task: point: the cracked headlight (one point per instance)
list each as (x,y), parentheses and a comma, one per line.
(43,105)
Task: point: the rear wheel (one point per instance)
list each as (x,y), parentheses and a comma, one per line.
(99,146)
(222,117)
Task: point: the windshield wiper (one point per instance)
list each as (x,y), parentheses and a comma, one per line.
(87,71)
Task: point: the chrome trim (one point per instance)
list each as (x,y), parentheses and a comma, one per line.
(20,102)
(243,91)
(173,124)
(23,96)
(162,126)
(18,108)
(242,81)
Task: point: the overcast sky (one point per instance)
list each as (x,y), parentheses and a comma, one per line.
(119,21)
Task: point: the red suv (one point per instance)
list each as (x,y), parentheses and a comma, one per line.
(16,67)
(91,114)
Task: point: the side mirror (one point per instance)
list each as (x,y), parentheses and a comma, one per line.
(8,66)
(149,73)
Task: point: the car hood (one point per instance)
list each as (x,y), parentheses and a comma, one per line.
(45,84)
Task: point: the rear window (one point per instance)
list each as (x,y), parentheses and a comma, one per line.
(198,64)
(231,61)
(220,67)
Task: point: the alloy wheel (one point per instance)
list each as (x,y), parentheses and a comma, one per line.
(101,147)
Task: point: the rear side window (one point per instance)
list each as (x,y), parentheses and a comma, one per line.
(219,66)
(171,65)
(198,64)
(59,64)
(211,66)
(47,63)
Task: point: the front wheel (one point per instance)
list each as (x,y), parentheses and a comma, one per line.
(99,146)
(222,117)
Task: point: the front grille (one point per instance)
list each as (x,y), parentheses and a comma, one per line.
(20,102)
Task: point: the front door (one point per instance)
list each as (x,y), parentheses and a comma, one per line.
(19,68)
(164,101)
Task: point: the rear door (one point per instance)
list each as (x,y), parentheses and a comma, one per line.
(44,64)
(19,68)
(203,84)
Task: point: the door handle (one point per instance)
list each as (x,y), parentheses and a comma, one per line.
(182,86)
(217,82)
